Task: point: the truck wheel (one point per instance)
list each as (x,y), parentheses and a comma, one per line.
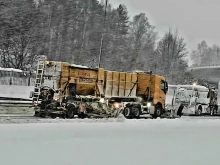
(70,112)
(211,111)
(136,112)
(82,115)
(199,111)
(127,112)
(53,116)
(215,110)
(37,114)
(157,112)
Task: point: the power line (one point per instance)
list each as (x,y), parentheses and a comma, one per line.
(101,46)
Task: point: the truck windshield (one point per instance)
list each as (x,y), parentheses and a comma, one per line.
(203,94)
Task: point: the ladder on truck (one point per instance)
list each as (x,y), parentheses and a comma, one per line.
(38,80)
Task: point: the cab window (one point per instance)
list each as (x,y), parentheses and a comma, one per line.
(164,86)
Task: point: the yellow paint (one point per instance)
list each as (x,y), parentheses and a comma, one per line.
(146,81)
(159,95)
(111,84)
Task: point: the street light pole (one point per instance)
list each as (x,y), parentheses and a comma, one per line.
(103,29)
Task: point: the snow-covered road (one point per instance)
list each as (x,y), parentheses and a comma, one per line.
(183,141)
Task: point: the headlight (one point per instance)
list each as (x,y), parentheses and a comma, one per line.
(116,105)
(148,104)
(102,100)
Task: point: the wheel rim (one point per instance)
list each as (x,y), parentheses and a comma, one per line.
(69,113)
(127,112)
(158,112)
(53,116)
(136,112)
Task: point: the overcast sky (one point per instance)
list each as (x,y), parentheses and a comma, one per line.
(196,20)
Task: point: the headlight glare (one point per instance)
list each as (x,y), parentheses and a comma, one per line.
(102,100)
(116,105)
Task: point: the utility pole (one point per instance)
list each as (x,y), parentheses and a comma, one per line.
(103,29)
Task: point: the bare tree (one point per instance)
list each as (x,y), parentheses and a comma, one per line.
(205,55)
(171,52)
(19,33)
(142,38)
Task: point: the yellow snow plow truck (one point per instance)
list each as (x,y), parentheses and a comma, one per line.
(70,90)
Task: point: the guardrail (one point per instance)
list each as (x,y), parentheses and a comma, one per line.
(4,101)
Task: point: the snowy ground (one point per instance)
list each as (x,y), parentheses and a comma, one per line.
(11,109)
(183,141)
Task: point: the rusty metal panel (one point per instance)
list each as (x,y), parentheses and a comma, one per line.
(101,80)
(134,84)
(115,90)
(65,69)
(128,85)
(145,81)
(85,80)
(101,74)
(109,83)
(62,84)
(122,84)
(119,84)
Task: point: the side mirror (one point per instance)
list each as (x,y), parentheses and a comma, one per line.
(166,87)
(208,96)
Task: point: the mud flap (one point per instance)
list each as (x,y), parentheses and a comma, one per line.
(179,111)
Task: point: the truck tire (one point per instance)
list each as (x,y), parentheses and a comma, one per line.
(136,112)
(211,111)
(216,111)
(70,112)
(157,112)
(37,114)
(127,112)
(82,115)
(199,111)
(53,116)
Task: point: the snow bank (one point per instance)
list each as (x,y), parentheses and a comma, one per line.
(133,142)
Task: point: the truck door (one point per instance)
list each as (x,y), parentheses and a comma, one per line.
(193,95)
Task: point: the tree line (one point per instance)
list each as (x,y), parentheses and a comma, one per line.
(206,55)
(78,31)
